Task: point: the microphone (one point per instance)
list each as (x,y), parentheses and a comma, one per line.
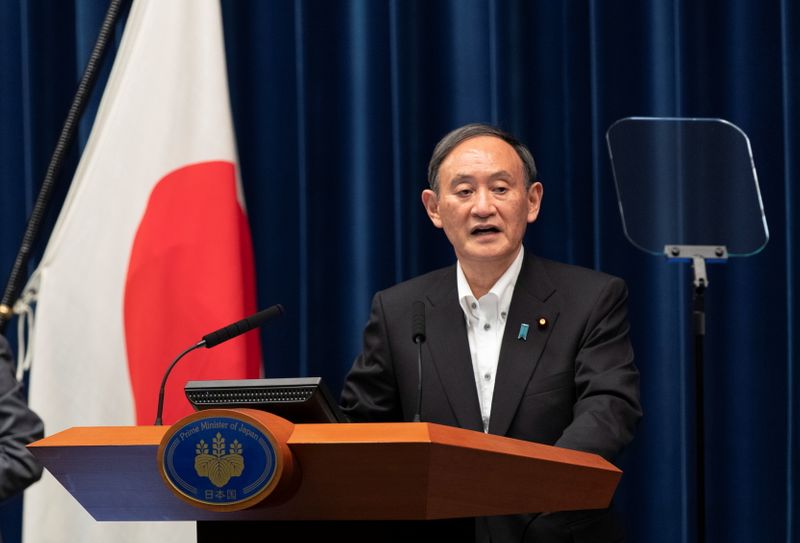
(418,322)
(215,338)
(245,325)
(418,337)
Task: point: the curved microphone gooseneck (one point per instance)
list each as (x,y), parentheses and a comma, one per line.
(215,338)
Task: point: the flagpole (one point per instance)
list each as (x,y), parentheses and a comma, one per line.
(65,139)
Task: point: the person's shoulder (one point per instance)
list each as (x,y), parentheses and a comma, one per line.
(559,271)
(572,280)
(421,285)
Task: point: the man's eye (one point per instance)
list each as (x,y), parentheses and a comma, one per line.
(464,192)
(501,190)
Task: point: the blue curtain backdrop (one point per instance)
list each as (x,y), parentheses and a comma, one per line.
(337,106)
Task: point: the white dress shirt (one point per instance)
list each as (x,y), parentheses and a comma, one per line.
(486,322)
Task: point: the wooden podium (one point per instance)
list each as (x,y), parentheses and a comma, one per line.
(342,472)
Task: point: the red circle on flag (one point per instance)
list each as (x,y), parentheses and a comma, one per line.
(190,272)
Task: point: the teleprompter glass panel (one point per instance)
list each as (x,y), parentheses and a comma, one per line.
(684,181)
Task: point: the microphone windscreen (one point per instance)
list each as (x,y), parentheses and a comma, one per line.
(417,322)
(240,327)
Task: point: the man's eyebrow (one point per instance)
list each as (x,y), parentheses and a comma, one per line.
(466,178)
(500,174)
(461,178)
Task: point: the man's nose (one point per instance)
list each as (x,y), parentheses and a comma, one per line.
(483,204)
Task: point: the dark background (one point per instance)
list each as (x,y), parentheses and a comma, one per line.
(337,106)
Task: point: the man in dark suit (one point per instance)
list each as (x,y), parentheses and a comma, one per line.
(516,345)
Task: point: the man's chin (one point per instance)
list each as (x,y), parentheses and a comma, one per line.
(489,253)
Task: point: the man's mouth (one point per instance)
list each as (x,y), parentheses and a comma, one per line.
(484,230)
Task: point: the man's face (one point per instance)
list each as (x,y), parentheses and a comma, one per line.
(482,204)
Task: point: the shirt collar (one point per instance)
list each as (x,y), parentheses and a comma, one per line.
(498,299)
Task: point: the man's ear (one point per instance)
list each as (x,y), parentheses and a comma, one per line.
(535,192)
(431,202)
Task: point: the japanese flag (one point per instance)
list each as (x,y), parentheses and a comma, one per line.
(150,252)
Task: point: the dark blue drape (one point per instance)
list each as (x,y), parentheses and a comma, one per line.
(337,106)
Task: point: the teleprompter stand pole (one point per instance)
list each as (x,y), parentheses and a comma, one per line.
(698,255)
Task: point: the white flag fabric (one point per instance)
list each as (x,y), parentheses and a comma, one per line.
(151,251)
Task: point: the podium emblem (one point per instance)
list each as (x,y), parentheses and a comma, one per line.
(219,459)
(219,467)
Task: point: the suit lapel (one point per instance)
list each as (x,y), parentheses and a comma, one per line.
(519,357)
(449,348)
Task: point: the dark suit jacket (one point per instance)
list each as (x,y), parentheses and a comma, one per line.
(18,427)
(572,383)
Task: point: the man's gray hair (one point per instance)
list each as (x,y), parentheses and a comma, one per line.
(454,138)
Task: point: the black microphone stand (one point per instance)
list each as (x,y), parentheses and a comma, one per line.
(418,336)
(419,340)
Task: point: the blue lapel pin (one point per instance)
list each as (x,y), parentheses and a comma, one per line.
(523,331)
